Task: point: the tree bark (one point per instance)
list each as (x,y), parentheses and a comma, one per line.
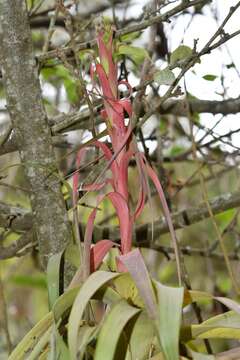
(33,134)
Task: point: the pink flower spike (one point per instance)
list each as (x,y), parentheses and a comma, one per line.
(105,149)
(108,155)
(107,91)
(123,174)
(125,222)
(105,54)
(98,252)
(119,142)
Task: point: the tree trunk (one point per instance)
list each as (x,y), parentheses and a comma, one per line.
(32,130)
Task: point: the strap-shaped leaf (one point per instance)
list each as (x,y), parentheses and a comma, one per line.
(228,319)
(191,296)
(221,333)
(142,338)
(223,326)
(170,301)
(58,348)
(32,338)
(54,278)
(89,288)
(112,329)
(86,335)
(64,302)
(198,356)
(40,345)
(134,263)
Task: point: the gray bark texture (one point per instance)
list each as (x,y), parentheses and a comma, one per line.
(32,131)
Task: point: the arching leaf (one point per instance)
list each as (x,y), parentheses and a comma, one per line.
(116,319)
(170,301)
(89,288)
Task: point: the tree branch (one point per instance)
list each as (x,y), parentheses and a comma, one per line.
(189,251)
(79,120)
(21,219)
(127,30)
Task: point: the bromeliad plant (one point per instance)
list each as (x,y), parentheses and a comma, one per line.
(143,317)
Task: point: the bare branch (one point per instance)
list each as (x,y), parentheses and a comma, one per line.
(21,219)
(127,30)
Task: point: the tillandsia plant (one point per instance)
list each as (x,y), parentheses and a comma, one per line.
(143,317)
(117,113)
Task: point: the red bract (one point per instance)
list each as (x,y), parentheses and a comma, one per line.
(124,147)
(114,107)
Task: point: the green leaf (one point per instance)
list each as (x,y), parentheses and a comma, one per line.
(127,288)
(170,302)
(72,90)
(89,288)
(228,319)
(72,254)
(176,150)
(137,54)
(180,54)
(59,74)
(142,338)
(58,348)
(197,356)
(191,296)
(64,302)
(225,218)
(224,326)
(38,348)
(157,357)
(221,333)
(85,336)
(209,77)
(161,357)
(115,320)
(53,278)
(223,283)
(108,295)
(164,77)
(32,338)
(130,37)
